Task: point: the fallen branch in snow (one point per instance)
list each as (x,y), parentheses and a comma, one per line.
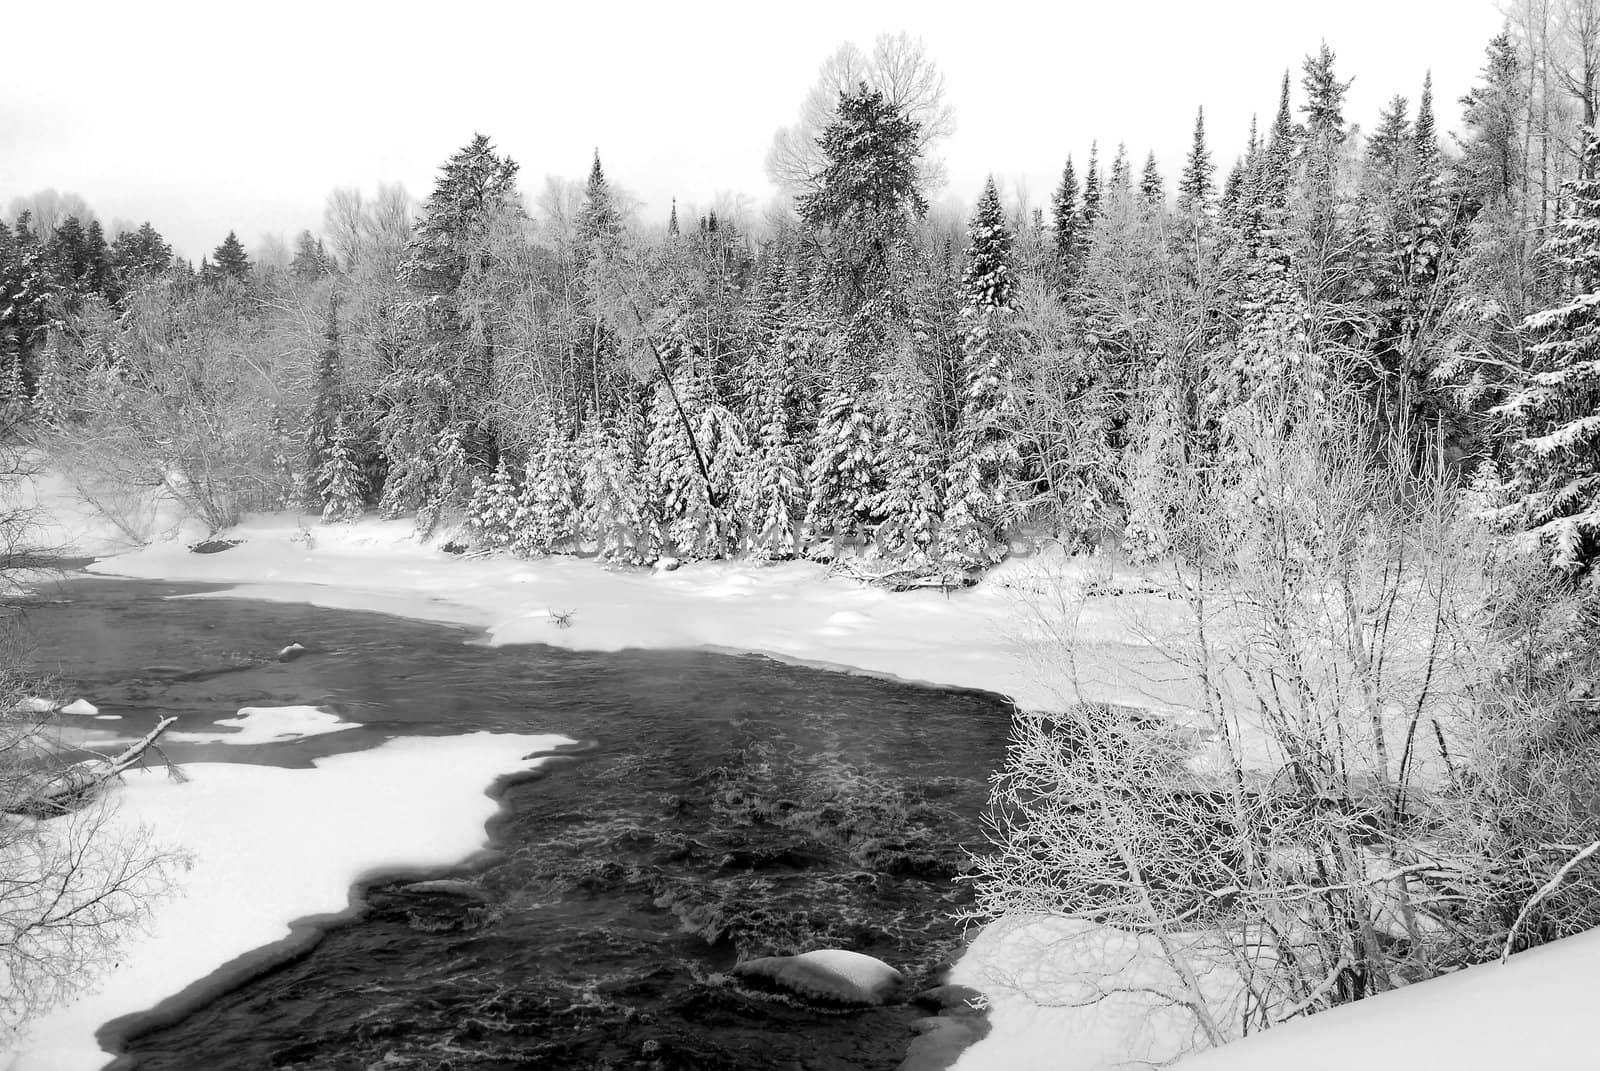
(1545,890)
(83,778)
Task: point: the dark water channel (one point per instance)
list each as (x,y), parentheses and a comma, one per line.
(721,808)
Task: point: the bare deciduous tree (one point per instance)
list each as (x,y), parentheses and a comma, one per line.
(900,69)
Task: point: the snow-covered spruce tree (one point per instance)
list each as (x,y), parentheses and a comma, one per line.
(909,502)
(772,488)
(547,515)
(492,509)
(980,480)
(690,427)
(339,480)
(613,487)
(860,217)
(327,405)
(1556,411)
(439,384)
(445,474)
(1064,228)
(1271,361)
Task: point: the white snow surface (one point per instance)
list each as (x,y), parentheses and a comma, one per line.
(1527,1014)
(794,611)
(269,725)
(269,846)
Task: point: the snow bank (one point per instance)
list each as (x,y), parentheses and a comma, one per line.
(1527,1014)
(67,523)
(269,725)
(270,846)
(1068,995)
(793,611)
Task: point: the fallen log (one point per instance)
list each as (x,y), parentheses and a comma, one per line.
(83,778)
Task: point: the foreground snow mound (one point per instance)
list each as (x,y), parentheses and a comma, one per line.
(1529,1014)
(833,974)
(269,846)
(1069,995)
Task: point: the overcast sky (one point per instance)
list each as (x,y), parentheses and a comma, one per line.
(203,118)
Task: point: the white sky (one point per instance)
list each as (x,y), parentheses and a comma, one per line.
(203,119)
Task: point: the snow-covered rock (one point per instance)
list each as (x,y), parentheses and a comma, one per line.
(828,974)
(81,707)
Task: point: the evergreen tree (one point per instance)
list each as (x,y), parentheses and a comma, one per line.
(672,220)
(339,480)
(1152,190)
(436,396)
(311,261)
(327,407)
(612,485)
(548,514)
(492,509)
(1555,487)
(1064,225)
(599,221)
(689,426)
(1197,186)
(1389,149)
(1492,162)
(229,260)
(97,254)
(1091,203)
(138,255)
(1120,185)
(860,218)
(909,502)
(772,489)
(981,479)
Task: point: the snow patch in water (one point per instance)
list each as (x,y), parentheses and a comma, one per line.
(270,725)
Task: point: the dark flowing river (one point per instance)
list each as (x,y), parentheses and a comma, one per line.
(721,808)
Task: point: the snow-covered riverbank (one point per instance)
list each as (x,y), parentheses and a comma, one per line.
(794,611)
(267,846)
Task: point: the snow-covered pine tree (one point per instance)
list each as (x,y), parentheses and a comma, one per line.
(1064,227)
(492,509)
(771,496)
(1272,358)
(439,383)
(339,480)
(688,426)
(548,510)
(980,481)
(613,486)
(861,218)
(327,406)
(446,475)
(1555,483)
(909,503)
(1152,188)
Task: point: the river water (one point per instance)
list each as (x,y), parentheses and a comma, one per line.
(720,808)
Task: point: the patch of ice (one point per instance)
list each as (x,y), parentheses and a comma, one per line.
(269,725)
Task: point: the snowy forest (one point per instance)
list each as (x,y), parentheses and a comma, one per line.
(857,377)
(1333,386)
